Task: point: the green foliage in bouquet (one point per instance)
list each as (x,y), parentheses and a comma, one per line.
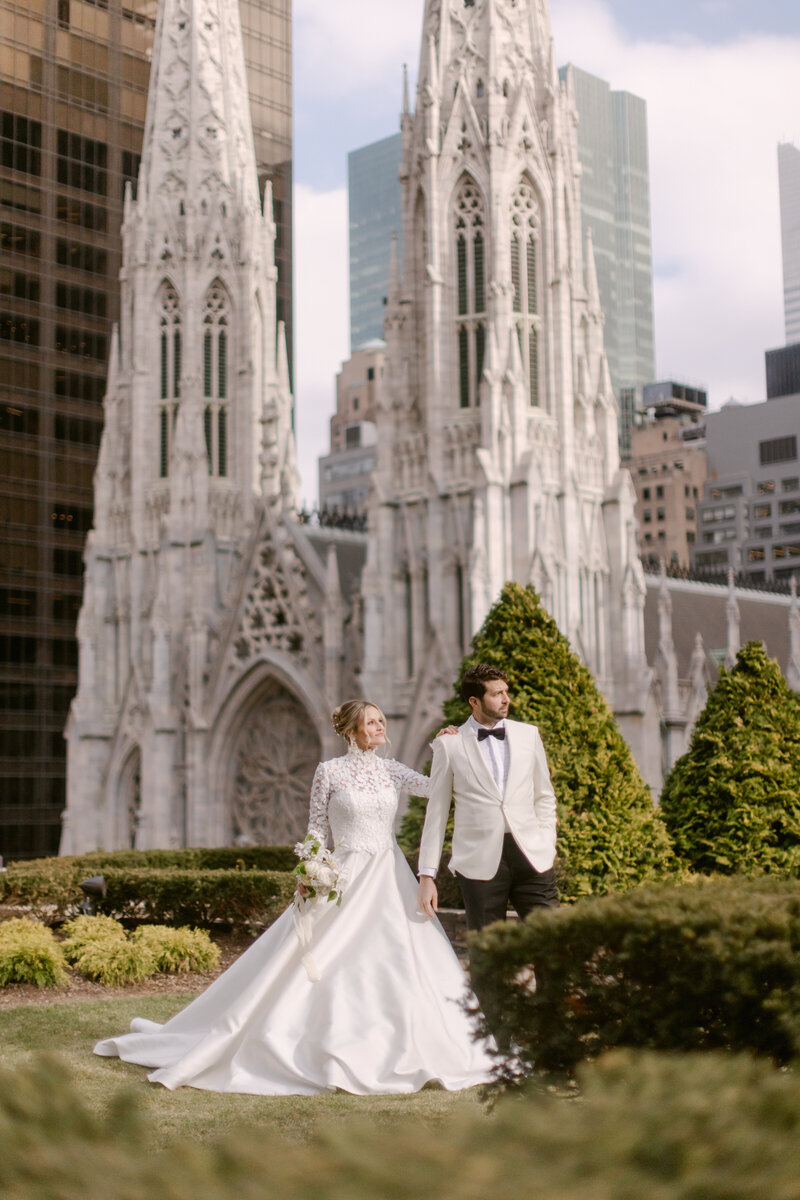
(29,953)
(610,836)
(732,802)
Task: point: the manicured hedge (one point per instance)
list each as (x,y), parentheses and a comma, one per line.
(732,801)
(703,1127)
(711,964)
(214,858)
(197,897)
(50,887)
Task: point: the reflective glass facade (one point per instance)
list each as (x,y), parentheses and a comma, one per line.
(375,213)
(615,204)
(73,92)
(789,180)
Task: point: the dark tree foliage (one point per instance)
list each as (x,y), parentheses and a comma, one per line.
(732,802)
(610,836)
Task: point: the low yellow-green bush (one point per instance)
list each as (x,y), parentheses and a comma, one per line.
(116,961)
(178,951)
(85,931)
(652,1126)
(29,953)
(100,948)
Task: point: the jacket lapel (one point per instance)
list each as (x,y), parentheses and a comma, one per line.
(516,760)
(482,774)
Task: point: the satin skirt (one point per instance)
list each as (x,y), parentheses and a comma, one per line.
(364,997)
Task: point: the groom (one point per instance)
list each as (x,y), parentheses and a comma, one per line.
(504,837)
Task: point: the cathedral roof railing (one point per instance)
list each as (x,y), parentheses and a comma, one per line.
(333,518)
(652,566)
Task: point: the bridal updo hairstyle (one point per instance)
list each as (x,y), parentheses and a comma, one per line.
(347,717)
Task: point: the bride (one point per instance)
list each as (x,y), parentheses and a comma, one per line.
(364,996)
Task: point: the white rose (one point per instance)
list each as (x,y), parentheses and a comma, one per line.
(320,874)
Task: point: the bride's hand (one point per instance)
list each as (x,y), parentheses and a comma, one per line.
(301,889)
(448,729)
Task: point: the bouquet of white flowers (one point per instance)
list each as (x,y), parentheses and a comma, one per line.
(318,871)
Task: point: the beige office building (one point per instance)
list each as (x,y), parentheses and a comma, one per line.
(345,472)
(668,468)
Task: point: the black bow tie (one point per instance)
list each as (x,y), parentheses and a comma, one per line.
(500,734)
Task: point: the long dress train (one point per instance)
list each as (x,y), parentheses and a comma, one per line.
(366,997)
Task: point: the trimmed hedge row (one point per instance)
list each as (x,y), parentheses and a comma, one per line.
(214,879)
(651,1126)
(139,884)
(712,964)
(197,897)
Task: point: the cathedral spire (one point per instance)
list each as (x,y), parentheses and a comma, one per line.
(491,47)
(198,141)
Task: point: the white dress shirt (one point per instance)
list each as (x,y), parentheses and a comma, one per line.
(495,753)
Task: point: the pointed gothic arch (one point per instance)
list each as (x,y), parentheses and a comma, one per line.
(526,285)
(268,739)
(129,800)
(469,229)
(217,330)
(168,308)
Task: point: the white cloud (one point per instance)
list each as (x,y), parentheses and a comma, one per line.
(321,321)
(354,45)
(716,113)
(715,116)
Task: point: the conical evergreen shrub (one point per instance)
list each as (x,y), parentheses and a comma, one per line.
(610,837)
(732,802)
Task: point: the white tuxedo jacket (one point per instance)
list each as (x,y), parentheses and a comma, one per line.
(459,771)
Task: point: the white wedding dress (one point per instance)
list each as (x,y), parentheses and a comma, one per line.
(368,999)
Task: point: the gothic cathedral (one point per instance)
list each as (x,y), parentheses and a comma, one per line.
(212,626)
(497,437)
(218,630)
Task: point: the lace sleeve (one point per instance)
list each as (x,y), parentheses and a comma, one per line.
(406,780)
(318,823)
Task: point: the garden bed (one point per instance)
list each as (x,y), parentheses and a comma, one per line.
(231,944)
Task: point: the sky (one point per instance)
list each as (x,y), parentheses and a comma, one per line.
(722,83)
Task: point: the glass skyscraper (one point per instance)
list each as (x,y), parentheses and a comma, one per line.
(73,93)
(615,203)
(789,181)
(375,213)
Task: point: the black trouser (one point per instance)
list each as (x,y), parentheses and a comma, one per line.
(486,900)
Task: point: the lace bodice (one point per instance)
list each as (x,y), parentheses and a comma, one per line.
(354,799)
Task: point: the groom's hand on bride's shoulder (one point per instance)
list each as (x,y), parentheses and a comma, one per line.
(428,895)
(448,729)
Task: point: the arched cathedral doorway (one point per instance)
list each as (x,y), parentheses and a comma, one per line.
(274,755)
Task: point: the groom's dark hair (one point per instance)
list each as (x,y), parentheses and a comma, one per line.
(476,678)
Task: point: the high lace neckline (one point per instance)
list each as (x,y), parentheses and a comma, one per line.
(355,751)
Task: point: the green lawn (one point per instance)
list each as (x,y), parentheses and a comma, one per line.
(70,1030)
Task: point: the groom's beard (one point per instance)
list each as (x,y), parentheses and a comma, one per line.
(490,713)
